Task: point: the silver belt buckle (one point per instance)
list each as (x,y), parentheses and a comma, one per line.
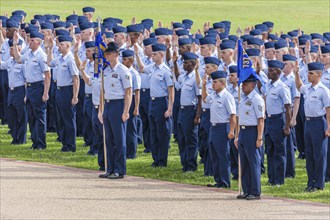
(214,124)
(12,88)
(182,107)
(243,127)
(107,100)
(152,98)
(143,90)
(58,88)
(87,95)
(308,118)
(96,106)
(269,115)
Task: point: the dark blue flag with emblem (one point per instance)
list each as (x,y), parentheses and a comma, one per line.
(244,65)
(100,47)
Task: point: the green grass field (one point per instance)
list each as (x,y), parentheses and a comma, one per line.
(140,166)
(311,16)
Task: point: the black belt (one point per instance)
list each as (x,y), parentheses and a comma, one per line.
(17,87)
(96,106)
(157,98)
(145,90)
(274,116)
(34,83)
(187,106)
(218,124)
(314,118)
(108,100)
(63,87)
(206,109)
(247,127)
(88,95)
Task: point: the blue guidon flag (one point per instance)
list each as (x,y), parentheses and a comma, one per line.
(100,47)
(244,65)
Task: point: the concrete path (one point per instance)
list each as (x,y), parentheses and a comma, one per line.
(42,191)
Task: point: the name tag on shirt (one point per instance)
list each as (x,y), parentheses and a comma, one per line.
(248,103)
(115,75)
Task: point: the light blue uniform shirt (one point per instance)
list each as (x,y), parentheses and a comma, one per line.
(15,72)
(234,92)
(209,90)
(317,98)
(35,65)
(222,106)
(136,79)
(325,79)
(251,108)
(96,88)
(264,79)
(82,52)
(289,81)
(116,80)
(160,78)
(145,78)
(177,83)
(5,50)
(89,70)
(277,95)
(189,90)
(66,69)
(303,72)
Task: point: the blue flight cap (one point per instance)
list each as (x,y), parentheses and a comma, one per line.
(195,40)
(57,17)
(73,22)
(148,20)
(17,18)
(182,32)
(90,44)
(162,31)
(291,44)
(46,25)
(119,21)
(82,19)
(233,38)
(19,12)
(11,42)
(275,64)
(269,45)
(11,23)
(108,34)
(246,37)
(288,57)
(147,25)
(219,74)
(302,41)
(261,27)
(49,17)
(95,24)
(31,28)
(255,32)
(77,30)
(110,20)
(212,60)
(281,44)
(189,56)
(315,66)
(198,36)
(86,25)
(178,25)
(149,41)
(187,22)
(59,24)
(223,35)
(34,21)
(128,53)
(88,9)
(317,36)
(72,17)
(326,35)
(207,40)
(254,41)
(109,25)
(40,17)
(305,36)
(325,49)
(64,38)
(152,35)
(251,78)
(36,34)
(211,31)
(184,41)
(285,36)
(119,29)
(293,33)
(227,23)
(233,69)
(219,25)
(158,47)
(269,24)
(314,49)
(62,32)
(273,37)
(253,52)
(134,28)
(23,25)
(112,47)
(228,45)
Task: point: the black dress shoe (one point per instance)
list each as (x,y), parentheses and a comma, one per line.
(64,149)
(252,197)
(213,185)
(153,164)
(116,176)
(146,151)
(85,145)
(308,189)
(315,189)
(105,175)
(242,196)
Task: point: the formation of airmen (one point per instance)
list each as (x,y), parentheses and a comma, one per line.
(162,81)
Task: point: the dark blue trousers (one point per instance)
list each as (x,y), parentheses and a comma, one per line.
(115,133)
(316,151)
(187,135)
(327,175)
(250,160)
(139,129)
(233,159)
(79,110)
(290,155)
(36,114)
(276,149)
(17,116)
(131,134)
(98,137)
(299,128)
(51,107)
(87,114)
(160,130)
(204,143)
(66,117)
(219,149)
(4,84)
(144,114)
(176,109)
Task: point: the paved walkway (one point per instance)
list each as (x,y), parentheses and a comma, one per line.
(42,191)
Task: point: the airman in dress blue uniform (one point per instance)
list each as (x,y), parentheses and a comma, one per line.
(317,128)
(223,123)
